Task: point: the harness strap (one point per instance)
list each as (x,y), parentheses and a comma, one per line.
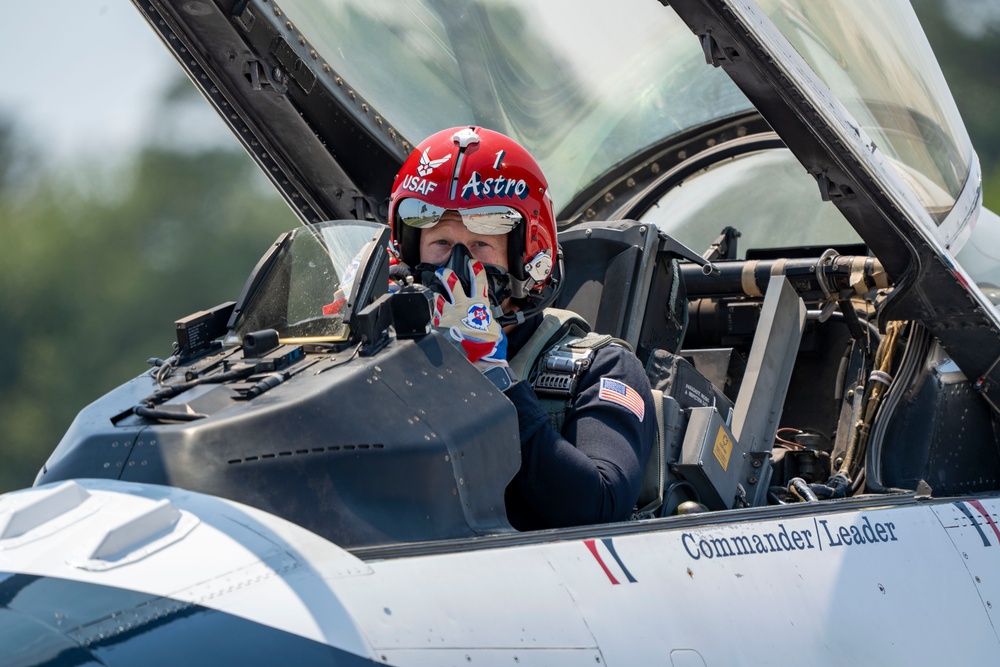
(562,354)
(653,482)
(554,322)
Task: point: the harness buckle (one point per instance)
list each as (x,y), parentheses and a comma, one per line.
(560,371)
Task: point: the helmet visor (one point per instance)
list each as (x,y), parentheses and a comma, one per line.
(487,220)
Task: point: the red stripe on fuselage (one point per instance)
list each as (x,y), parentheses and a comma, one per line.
(986,515)
(593,549)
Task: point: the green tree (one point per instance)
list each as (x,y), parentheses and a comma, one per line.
(969,65)
(93,282)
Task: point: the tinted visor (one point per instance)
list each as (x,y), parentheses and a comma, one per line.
(488,220)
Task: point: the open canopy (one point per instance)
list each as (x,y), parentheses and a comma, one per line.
(329,96)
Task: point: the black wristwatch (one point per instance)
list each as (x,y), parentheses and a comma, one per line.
(501,377)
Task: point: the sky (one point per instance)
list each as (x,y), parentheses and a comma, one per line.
(81,76)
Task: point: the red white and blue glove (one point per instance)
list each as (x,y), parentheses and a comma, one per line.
(469,318)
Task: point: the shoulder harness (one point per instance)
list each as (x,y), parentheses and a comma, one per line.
(556,356)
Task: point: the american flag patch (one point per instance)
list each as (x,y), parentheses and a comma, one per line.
(624,395)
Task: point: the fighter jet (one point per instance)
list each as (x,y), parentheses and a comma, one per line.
(774,203)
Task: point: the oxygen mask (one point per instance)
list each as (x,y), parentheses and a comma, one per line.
(459,262)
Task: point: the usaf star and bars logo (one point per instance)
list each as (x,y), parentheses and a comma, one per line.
(618,392)
(427,165)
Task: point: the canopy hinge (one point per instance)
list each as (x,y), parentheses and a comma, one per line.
(715,54)
(829,190)
(258,75)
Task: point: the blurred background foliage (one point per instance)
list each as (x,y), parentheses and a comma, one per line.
(967,45)
(98,260)
(97,263)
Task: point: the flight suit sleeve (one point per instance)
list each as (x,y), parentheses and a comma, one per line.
(591,472)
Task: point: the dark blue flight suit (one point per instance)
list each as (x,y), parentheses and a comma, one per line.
(592,471)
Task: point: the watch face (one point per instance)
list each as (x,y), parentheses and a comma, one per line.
(500,377)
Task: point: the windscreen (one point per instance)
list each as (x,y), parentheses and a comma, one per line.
(307,287)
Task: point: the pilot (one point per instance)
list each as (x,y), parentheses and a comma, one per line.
(472,218)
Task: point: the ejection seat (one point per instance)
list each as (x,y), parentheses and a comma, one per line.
(623,278)
(613,279)
(608,270)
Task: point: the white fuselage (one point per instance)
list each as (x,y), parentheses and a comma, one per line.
(908,584)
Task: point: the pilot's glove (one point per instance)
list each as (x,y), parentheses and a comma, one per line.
(496,356)
(399,275)
(468,317)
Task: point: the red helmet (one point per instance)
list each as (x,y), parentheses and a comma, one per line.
(497,186)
